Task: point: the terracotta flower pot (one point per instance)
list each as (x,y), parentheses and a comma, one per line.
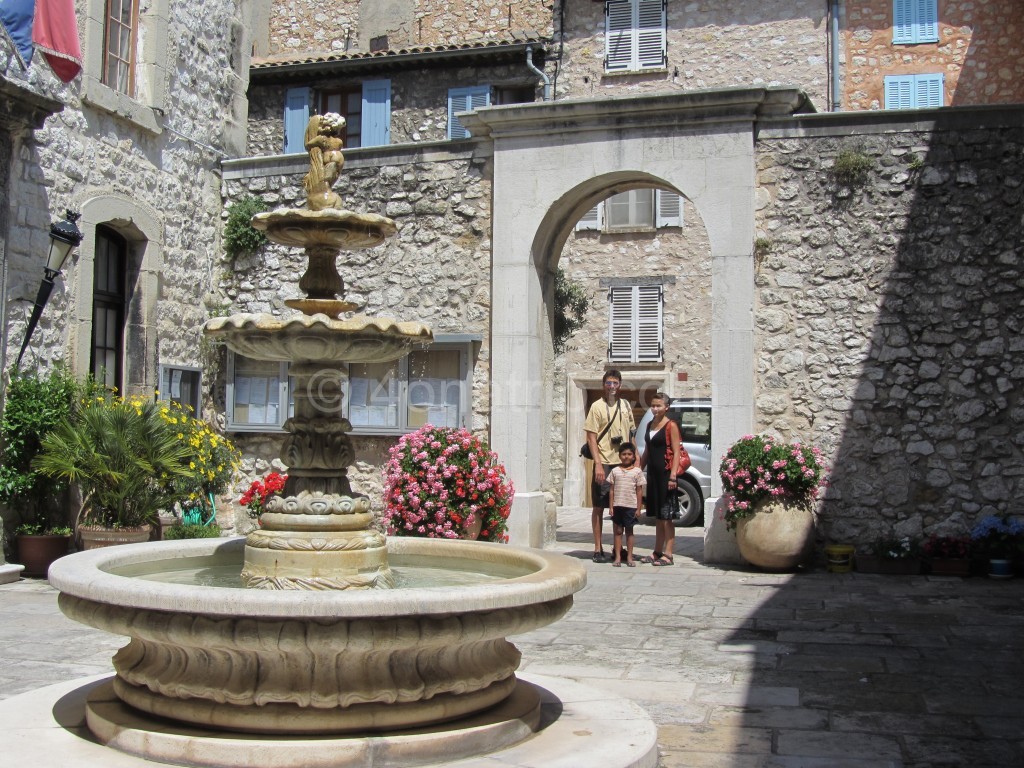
(36,553)
(778,537)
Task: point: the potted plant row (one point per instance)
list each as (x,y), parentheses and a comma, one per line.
(891,555)
(999,539)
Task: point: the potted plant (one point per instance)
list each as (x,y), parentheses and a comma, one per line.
(35,405)
(891,555)
(770,490)
(948,555)
(998,538)
(441,482)
(125,458)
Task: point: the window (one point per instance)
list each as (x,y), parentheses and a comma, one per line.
(108,303)
(181,384)
(256,391)
(428,386)
(638,209)
(914,91)
(635,36)
(915,21)
(120,32)
(635,323)
(465,100)
(366,109)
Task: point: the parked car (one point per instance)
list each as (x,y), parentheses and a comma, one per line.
(693,415)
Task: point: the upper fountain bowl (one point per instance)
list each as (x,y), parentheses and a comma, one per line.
(331,227)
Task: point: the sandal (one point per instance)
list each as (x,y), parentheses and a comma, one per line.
(651,558)
(599,557)
(631,564)
(616,565)
(664,560)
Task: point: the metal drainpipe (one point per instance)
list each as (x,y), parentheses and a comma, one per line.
(533,67)
(836,100)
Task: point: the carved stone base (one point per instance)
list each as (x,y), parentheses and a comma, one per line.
(316,560)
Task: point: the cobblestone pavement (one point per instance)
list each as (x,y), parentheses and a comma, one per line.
(738,669)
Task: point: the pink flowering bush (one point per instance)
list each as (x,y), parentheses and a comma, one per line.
(439,480)
(757,467)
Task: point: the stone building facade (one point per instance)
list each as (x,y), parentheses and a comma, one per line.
(888,322)
(979,48)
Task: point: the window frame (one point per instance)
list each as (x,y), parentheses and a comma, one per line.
(636,43)
(164,390)
(633,330)
(110,301)
(915,22)
(284,400)
(110,22)
(344,95)
(665,214)
(461,343)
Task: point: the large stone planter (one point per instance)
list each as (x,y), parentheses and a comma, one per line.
(94,537)
(779,536)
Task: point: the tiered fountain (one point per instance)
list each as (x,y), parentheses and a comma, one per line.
(318,644)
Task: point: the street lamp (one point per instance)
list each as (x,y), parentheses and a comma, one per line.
(64,238)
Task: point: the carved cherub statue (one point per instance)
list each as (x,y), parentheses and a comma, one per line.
(323,142)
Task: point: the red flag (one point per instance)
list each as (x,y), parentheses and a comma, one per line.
(55,33)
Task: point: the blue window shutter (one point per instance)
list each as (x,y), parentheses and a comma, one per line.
(465,100)
(915,21)
(296,117)
(899,92)
(376,125)
(927,21)
(902,22)
(928,91)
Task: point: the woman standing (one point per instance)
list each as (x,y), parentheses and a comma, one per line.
(661,450)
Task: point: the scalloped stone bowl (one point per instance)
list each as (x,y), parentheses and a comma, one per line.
(323,662)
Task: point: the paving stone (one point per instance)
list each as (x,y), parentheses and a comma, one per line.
(802,718)
(722,739)
(825,744)
(898,723)
(945,750)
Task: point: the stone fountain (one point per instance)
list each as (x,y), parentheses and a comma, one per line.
(319,659)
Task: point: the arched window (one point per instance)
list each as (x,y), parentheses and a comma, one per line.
(108,307)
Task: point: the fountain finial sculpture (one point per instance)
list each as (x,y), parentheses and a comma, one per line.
(318,536)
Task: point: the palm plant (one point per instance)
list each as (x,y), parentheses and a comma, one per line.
(123,457)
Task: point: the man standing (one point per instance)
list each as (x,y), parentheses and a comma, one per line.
(609,424)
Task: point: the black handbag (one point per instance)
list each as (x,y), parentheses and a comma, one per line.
(585,450)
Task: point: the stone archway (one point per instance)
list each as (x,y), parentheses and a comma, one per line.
(552,162)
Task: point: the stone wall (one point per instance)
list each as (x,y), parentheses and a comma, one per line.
(711,44)
(419,101)
(980,50)
(435,270)
(305,26)
(888,316)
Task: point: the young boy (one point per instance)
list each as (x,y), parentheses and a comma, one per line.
(627,488)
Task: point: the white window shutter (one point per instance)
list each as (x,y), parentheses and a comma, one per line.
(592,219)
(618,35)
(649,324)
(899,92)
(902,22)
(650,34)
(668,209)
(928,91)
(620,324)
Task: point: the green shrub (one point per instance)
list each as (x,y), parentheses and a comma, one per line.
(192,531)
(239,235)
(571,306)
(35,405)
(851,167)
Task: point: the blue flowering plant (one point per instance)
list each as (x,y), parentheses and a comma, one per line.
(998,536)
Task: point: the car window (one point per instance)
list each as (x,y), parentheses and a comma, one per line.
(694,424)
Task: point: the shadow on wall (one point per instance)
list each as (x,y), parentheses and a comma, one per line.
(859,670)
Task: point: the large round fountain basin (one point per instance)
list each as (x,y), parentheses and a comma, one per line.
(323,661)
